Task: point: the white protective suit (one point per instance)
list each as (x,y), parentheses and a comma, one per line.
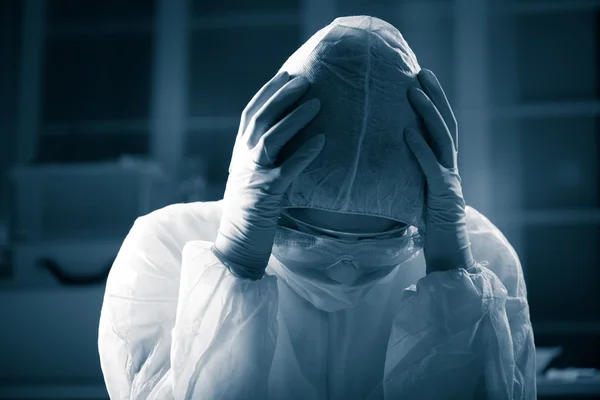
(176,324)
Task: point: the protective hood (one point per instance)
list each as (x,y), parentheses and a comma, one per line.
(361,69)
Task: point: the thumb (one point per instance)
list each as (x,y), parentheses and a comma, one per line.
(425,156)
(297,162)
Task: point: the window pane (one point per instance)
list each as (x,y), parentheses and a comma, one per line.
(99,205)
(214,148)
(562,272)
(84,200)
(10,41)
(384,9)
(501,59)
(229,66)
(505,138)
(557,56)
(389,9)
(76,147)
(203,7)
(68,11)
(90,78)
(560,163)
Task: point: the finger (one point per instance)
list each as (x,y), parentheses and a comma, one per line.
(425,156)
(273,141)
(298,161)
(262,96)
(435,92)
(273,109)
(442,142)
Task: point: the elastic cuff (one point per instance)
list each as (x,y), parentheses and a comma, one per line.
(235,269)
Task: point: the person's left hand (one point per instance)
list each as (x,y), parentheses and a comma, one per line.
(447,243)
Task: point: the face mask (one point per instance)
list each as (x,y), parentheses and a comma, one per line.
(335,274)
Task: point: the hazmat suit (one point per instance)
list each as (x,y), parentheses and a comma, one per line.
(188,313)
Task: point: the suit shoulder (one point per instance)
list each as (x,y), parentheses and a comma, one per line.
(489,245)
(188,221)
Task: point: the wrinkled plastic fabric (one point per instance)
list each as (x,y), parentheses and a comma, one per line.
(175,324)
(360,68)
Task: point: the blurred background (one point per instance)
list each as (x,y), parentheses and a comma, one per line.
(111,109)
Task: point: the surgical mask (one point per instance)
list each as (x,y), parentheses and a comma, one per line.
(335,274)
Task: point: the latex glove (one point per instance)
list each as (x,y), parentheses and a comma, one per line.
(447,243)
(258,179)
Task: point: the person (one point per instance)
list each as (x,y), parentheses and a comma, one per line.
(342,262)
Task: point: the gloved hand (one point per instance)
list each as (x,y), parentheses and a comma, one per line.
(258,178)
(447,243)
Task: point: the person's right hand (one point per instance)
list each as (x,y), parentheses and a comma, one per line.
(258,178)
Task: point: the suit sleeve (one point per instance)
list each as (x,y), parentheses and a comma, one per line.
(465,333)
(176,324)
